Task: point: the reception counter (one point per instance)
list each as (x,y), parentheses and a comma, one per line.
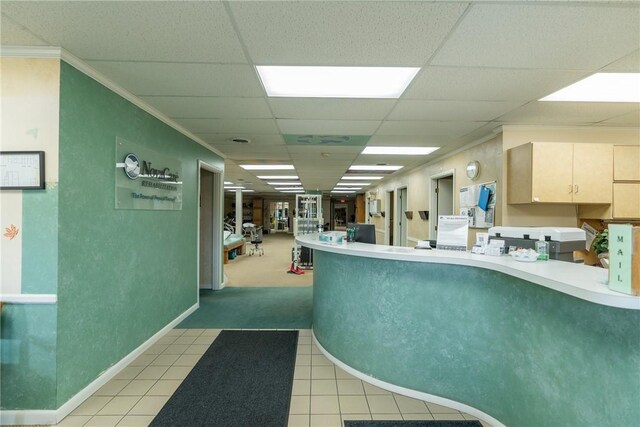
(517,344)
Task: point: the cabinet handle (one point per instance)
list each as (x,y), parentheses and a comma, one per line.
(577,188)
(570,188)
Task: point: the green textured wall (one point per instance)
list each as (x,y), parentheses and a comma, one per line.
(123,274)
(522,353)
(28,356)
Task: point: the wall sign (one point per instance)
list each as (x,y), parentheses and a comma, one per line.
(146,179)
(624,257)
(21,170)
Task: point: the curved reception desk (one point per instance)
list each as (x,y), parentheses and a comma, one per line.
(516,344)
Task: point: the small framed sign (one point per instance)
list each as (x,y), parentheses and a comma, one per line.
(21,170)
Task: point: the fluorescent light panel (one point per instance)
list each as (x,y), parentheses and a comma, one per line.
(336,82)
(289,188)
(361,177)
(342,184)
(400,151)
(292,191)
(601,87)
(284,183)
(348,188)
(342,192)
(374,168)
(266,167)
(235,187)
(278,177)
(228,183)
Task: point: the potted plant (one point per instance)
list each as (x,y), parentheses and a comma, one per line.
(600,246)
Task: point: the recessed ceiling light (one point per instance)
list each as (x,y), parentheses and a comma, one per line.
(342,184)
(400,151)
(601,87)
(342,191)
(347,188)
(228,183)
(289,188)
(248,191)
(292,191)
(360,177)
(284,183)
(266,167)
(336,82)
(278,176)
(233,188)
(374,168)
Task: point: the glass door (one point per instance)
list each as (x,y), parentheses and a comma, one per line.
(279,217)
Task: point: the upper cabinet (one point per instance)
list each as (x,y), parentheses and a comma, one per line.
(626,186)
(626,163)
(553,172)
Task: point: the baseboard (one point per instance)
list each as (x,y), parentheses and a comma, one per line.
(407,391)
(54,416)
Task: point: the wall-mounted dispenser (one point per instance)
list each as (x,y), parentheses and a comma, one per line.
(424,215)
(408,214)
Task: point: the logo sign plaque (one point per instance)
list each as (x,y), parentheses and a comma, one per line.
(146,179)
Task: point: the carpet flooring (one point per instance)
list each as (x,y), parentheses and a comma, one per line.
(269,269)
(412,424)
(244,379)
(253,308)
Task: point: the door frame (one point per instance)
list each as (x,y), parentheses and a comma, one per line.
(217,274)
(400,235)
(389,197)
(433,200)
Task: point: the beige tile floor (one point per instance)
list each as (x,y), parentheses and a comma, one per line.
(323,394)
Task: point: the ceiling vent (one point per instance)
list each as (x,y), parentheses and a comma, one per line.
(240,140)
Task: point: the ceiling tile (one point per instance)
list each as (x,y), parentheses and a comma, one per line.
(488,84)
(406,141)
(229,125)
(13,34)
(568,113)
(328,127)
(630,119)
(451,110)
(427,128)
(134,30)
(627,64)
(331,109)
(344,33)
(182,79)
(210,107)
(535,35)
(220,139)
(319,149)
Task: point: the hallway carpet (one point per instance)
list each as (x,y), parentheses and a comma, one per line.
(253,308)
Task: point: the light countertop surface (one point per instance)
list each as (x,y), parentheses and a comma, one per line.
(578,280)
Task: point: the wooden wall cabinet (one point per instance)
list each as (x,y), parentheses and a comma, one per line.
(257,212)
(553,172)
(626,163)
(626,200)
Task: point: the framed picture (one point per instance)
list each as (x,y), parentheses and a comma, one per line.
(21,170)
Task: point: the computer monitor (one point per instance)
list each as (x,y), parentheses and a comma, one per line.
(365,233)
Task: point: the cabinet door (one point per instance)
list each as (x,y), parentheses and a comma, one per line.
(592,173)
(551,175)
(626,162)
(626,200)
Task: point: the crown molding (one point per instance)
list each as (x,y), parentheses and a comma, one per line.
(83,67)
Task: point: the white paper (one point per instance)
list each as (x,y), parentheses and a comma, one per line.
(590,233)
(452,232)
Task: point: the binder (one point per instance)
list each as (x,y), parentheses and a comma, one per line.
(483,198)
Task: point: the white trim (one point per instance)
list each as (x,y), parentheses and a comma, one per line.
(407,391)
(433,200)
(30,52)
(80,65)
(54,416)
(29,298)
(218,279)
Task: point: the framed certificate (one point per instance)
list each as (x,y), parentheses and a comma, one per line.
(21,170)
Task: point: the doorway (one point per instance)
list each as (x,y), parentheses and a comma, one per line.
(279,217)
(441,199)
(340,211)
(390,216)
(210,274)
(402,219)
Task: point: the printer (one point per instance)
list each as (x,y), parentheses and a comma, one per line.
(562,240)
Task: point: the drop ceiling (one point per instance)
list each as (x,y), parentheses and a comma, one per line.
(483,64)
